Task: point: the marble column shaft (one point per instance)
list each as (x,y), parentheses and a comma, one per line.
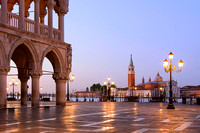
(36,16)
(3,91)
(4,17)
(21,14)
(50,18)
(24,91)
(35,90)
(61,92)
(61,25)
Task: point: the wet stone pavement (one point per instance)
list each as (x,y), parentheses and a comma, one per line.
(101,117)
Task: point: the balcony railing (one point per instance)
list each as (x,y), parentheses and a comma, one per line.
(29,25)
(44,30)
(13,20)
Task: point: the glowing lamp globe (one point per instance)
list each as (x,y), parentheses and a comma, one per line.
(104,82)
(165,63)
(171,56)
(180,64)
(73,77)
(113,82)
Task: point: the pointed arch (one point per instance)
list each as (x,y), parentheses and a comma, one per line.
(29,45)
(55,57)
(2,55)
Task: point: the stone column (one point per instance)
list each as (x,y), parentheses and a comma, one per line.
(61,92)
(60,80)
(61,25)
(50,6)
(24,90)
(36,16)
(3,86)
(35,90)
(21,14)
(61,11)
(4,17)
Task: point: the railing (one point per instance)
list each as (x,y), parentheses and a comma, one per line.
(13,20)
(29,25)
(44,30)
(56,34)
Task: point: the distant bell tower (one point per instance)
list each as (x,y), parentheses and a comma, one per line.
(131,74)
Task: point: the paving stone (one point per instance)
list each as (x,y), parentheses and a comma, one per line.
(101,117)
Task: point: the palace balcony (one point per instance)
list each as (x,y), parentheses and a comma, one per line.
(13,20)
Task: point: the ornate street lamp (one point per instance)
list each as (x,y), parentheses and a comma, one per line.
(170,68)
(69,80)
(41,92)
(108,85)
(13,83)
(135,90)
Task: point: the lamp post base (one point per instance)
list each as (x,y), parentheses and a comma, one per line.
(170,106)
(68,100)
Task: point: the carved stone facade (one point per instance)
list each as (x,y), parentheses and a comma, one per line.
(28,42)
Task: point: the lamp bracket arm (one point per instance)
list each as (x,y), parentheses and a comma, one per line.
(174,68)
(167,69)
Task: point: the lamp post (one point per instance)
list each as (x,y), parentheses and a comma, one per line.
(170,68)
(41,92)
(69,80)
(13,83)
(108,86)
(112,90)
(135,90)
(161,89)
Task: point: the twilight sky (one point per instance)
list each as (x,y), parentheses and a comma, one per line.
(104,33)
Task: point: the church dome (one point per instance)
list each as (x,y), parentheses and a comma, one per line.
(158,78)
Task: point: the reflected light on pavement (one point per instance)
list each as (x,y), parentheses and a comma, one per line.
(134,108)
(161,110)
(16,114)
(69,123)
(135,111)
(161,104)
(107,128)
(108,115)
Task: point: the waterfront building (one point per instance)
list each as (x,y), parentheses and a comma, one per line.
(87,93)
(122,91)
(190,91)
(156,87)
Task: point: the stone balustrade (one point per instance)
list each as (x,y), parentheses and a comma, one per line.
(13,20)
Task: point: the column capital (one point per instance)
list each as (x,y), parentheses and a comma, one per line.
(36,1)
(43,12)
(62,76)
(23,78)
(35,73)
(62,7)
(51,4)
(61,12)
(4,70)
